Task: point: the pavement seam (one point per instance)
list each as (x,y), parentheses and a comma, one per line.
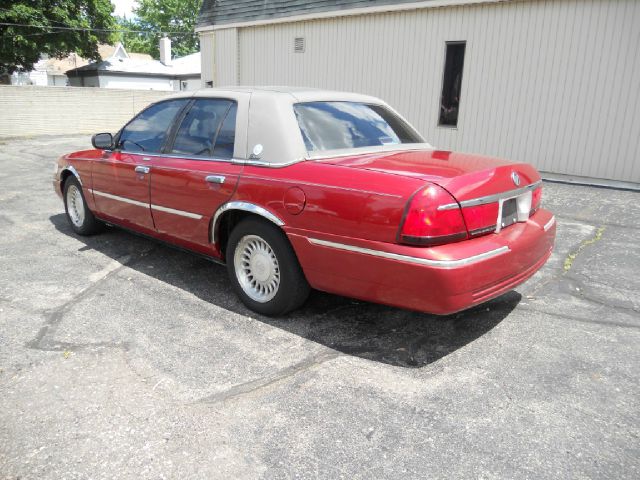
(54,317)
(253,386)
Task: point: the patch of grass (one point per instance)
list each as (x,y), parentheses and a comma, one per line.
(568,262)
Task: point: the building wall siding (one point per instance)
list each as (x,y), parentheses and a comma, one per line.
(555,83)
(207,58)
(226,55)
(69,110)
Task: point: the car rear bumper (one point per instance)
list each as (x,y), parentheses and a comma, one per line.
(439,280)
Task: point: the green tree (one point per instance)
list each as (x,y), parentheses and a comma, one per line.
(155,16)
(55,28)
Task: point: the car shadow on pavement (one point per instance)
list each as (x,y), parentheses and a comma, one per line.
(376,332)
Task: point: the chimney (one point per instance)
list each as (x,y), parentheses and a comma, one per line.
(165,50)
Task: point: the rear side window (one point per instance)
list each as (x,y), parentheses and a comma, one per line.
(148,131)
(343,125)
(200,129)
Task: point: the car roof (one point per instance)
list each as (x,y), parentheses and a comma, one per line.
(295,94)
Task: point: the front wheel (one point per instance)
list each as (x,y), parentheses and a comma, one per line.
(79,216)
(263,268)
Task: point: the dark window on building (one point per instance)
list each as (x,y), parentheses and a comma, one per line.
(452,84)
(148,131)
(199,131)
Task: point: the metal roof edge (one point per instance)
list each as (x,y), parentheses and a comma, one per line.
(345,13)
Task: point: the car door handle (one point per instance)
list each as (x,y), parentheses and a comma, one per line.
(141,169)
(215,178)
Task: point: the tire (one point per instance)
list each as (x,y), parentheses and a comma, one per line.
(79,216)
(264,269)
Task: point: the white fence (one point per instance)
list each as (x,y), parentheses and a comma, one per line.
(28,111)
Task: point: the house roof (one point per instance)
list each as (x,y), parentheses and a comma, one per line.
(120,62)
(60,66)
(219,12)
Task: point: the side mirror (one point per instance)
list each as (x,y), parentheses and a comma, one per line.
(102,141)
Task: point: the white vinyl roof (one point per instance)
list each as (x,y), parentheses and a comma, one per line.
(266,118)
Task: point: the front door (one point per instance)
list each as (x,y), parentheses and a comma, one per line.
(197,173)
(120,181)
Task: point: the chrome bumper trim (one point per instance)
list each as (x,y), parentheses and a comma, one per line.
(549,224)
(406,258)
(491,198)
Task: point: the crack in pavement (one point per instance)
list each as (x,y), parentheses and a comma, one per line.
(568,261)
(53,318)
(253,386)
(588,221)
(583,291)
(565,316)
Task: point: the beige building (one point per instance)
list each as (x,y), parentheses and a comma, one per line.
(554,83)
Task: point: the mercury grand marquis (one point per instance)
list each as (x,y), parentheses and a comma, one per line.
(296,188)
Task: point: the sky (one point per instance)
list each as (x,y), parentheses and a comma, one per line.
(124,7)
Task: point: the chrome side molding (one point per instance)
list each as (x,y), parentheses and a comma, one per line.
(181,213)
(119,198)
(244,206)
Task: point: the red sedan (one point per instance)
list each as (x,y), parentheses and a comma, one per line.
(296,189)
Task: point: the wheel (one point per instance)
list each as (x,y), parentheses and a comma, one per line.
(80,217)
(263,268)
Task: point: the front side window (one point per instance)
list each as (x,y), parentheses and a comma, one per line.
(148,131)
(344,125)
(205,129)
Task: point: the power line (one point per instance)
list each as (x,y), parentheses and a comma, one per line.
(87,29)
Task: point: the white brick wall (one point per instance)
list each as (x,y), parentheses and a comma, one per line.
(26,111)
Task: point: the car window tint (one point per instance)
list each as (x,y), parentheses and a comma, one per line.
(148,131)
(200,126)
(227,135)
(340,125)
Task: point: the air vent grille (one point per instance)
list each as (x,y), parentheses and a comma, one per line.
(298,45)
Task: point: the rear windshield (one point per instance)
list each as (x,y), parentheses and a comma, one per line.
(342,125)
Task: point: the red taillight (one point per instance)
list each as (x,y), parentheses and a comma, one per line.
(425,224)
(481,219)
(536,198)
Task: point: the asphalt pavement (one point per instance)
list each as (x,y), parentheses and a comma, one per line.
(123,358)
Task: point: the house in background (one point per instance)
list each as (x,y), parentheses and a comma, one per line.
(122,70)
(53,71)
(552,83)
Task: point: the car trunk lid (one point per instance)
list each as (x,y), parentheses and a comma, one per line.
(492,193)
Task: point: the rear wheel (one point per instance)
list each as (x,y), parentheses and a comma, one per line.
(263,268)
(79,216)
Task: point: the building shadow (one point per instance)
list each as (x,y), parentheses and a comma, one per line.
(375,332)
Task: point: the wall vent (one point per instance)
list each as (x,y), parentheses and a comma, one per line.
(298,45)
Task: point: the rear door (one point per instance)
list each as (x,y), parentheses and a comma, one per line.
(121,178)
(197,173)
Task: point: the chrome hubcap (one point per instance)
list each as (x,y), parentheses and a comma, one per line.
(75,206)
(257,268)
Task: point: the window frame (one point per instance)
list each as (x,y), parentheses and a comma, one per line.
(444,72)
(116,139)
(173,132)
